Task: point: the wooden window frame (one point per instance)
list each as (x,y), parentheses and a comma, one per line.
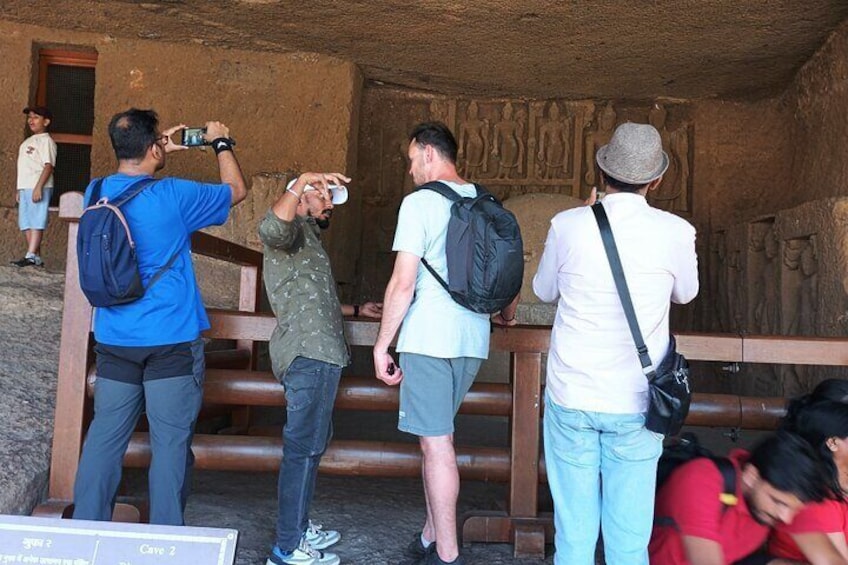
(65,58)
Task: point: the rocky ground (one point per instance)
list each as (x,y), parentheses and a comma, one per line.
(30,324)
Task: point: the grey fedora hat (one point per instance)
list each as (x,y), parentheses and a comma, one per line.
(634,154)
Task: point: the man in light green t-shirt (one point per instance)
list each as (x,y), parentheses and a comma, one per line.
(441,343)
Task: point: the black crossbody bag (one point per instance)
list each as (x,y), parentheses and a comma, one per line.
(669,395)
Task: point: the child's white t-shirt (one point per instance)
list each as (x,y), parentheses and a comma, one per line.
(35,152)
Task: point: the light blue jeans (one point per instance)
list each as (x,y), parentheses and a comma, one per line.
(602,471)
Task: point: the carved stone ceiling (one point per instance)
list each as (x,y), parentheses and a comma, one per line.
(575,49)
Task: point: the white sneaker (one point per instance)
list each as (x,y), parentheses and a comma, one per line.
(300,556)
(321,557)
(319,538)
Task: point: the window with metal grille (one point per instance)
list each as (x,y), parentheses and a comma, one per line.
(66,86)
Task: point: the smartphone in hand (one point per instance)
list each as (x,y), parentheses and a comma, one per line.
(193,137)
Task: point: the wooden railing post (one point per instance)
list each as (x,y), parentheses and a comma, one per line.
(250,286)
(520,523)
(526,376)
(73,366)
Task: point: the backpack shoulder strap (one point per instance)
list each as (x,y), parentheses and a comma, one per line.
(95,192)
(728,491)
(163,270)
(451,195)
(442,189)
(728,476)
(133,191)
(483,191)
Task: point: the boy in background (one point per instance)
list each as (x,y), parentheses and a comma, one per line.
(36,161)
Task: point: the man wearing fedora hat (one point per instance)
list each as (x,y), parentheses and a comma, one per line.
(601,460)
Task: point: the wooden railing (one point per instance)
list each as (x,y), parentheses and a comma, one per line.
(520,463)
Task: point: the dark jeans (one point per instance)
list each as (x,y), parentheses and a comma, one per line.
(311,388)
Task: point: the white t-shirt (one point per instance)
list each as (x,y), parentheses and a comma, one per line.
(592,364)
(435,325)
(35,152)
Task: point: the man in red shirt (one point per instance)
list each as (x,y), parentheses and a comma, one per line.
(696,525)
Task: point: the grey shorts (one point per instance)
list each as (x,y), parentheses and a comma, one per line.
(33,215)
(431,391)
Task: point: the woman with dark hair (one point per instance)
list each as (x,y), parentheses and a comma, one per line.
(818,533)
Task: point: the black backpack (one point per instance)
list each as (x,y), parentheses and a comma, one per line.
(108,267)
(485,253)
(686,448)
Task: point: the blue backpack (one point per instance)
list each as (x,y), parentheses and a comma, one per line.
(485,253)
(108,267)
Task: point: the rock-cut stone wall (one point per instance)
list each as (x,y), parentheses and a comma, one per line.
(288,112)
(782,274)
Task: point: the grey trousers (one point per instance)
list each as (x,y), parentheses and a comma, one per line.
(172,405)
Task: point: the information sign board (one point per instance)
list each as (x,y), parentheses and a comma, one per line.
(51,541)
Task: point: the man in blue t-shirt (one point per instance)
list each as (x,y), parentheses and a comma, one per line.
(149,352)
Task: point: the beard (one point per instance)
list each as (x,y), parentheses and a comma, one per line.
(324,221)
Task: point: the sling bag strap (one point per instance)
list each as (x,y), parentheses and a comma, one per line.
(621,287)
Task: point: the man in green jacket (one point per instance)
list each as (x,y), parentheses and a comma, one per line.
(308,350)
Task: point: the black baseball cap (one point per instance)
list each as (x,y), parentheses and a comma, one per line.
(42,111)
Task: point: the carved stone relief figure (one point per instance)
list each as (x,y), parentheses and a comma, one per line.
(800,259)
(673,192)
(730,275)
(440,112)
(389,178)
(508,144)
(554,145)
(473,143)
(729,294)
(735,276)
(767,308)
(717,254)
(764,290)
(596,139)
(809,299)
